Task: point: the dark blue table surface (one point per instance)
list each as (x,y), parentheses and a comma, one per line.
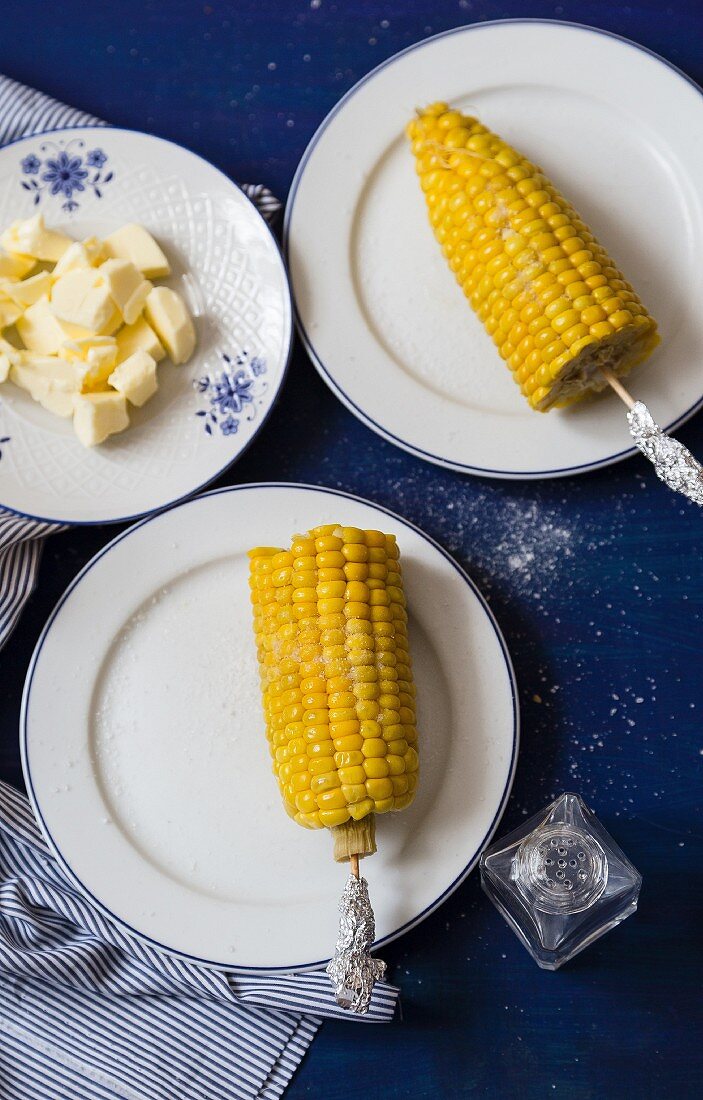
(596,581)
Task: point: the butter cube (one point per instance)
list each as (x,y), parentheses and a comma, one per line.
(27,292)
(65,375)
(80,255)
(127,286)
(10,351)
(83,298)
(39,329)
(8,356)
(95,248)
(9,313)
(13,266)
(32,238)
(136,378)
(90,349)
(94,355)
(98,415)
(74,332)
(111,326)
(138,337)
(75,258)
(78,332)
(61,404)
(49,380)
(167,313)
(135,243)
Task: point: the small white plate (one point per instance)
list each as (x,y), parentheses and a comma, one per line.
(145,756)
(227,266)
(379,309)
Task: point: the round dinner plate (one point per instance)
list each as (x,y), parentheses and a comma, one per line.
(145,756)
(227,266)
(378,308)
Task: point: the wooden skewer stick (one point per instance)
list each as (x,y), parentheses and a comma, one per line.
(617,386)
(354,865)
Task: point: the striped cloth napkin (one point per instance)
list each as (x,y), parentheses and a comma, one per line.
(24,111)
(88,1012)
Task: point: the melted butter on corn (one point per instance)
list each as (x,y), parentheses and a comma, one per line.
(551,298)
(337,687)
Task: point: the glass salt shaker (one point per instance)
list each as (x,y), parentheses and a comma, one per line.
(560,881)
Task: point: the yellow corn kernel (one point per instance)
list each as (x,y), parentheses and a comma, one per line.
(396,765)
(354,792)
(401,801)
(398,747)
(349,743)
(374,747)
(330,574)
(301,782)
(329,818)
(317,731)
(356,572)
(353,775)
(327,781)
(339,699)
(376,767)
(367,710)
(350,535)
(328,542)
(305,801)
(320,748)
(330,589)
(356,592)
(379,788)
(400,784)
(383,805)
(361,809)
(318,765)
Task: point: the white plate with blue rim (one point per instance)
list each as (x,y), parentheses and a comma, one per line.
(147,765)
(226,264)
(410,358)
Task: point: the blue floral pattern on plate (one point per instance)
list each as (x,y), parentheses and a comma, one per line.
(64,169)
(232,393)
(3,440)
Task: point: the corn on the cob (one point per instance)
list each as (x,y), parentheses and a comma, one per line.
(337,686)
(553,301)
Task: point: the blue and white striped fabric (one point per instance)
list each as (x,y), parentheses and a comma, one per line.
(21,542)
(25,111)
(88,1011)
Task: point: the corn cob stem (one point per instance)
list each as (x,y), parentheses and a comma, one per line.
(355,839)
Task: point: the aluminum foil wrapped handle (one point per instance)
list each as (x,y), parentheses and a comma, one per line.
(352,969)
(673,463)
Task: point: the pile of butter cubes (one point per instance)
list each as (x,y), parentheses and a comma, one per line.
(83,327)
